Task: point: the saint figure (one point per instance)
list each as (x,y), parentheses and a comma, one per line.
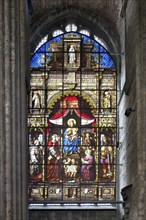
(36,100)
(71,54)
(88,167)
(71,138)
(54,168)
(107,99)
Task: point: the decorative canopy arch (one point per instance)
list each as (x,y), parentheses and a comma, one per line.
(56,96)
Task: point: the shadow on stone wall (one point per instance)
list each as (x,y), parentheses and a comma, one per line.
(73,215)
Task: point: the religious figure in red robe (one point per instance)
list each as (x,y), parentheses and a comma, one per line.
(54,167)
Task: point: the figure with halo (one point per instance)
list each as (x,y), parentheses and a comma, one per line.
(71,140)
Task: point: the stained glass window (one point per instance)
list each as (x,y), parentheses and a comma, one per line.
(72,121)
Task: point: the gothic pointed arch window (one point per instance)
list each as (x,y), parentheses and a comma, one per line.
(72,121)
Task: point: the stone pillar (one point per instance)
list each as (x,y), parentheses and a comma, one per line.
(132,136)
(13,70)
(141,109)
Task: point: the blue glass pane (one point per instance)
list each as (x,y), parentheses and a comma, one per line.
(49,44)
(95,57)
(48,56)
(96,45)
(42,49)
(46,46)
(36,60)
(102,49)
(86,39)
(56,39)
(106,60)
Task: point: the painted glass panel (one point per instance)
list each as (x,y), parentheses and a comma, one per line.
(72,121)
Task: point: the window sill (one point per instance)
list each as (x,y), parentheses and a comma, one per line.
(100,205)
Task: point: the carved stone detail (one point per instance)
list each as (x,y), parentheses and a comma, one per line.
(126,193)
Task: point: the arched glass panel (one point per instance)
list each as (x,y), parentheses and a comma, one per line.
(72,121)
(85,32)
(57,32)
(71,27)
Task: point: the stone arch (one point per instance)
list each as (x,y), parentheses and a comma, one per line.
(98,24)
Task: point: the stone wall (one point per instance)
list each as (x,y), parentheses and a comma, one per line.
(132,135)
(73,215)
(13,69)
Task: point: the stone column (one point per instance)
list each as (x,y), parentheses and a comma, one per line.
(13,70)
(141,109)
(132,136)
